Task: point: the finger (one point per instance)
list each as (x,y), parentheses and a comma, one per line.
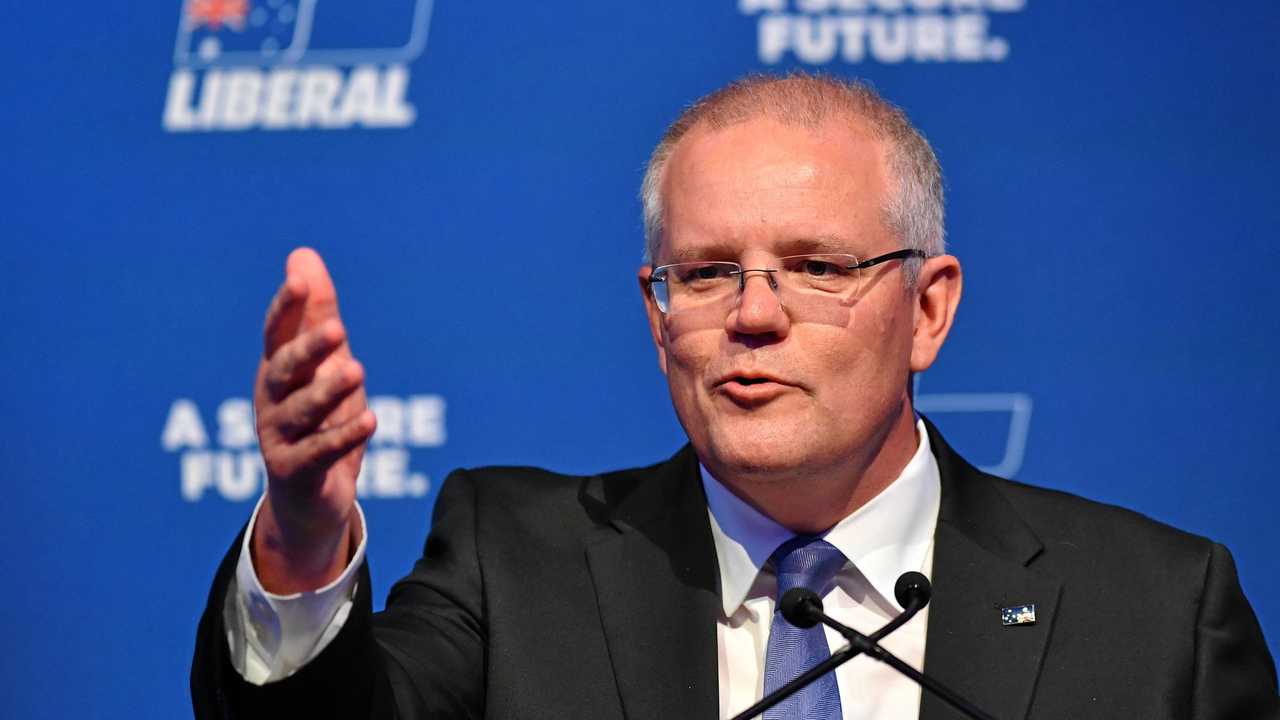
(322,297)
(306,409)
(295,363)
(319,451)
(284,315)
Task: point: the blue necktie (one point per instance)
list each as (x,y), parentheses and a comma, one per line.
(812,563)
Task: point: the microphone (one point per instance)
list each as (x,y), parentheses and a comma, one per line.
(912,588)
(803,608)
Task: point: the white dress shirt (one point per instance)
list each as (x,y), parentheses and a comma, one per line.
(272,636)
(890,535)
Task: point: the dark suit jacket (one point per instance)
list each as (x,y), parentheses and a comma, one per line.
(545,596)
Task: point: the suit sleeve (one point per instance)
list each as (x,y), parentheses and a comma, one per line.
(1235,676)
(422,657)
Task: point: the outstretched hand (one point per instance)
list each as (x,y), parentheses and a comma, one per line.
(313,422)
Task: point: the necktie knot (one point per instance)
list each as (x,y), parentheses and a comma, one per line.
(808,562)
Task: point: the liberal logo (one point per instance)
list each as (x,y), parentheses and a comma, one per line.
(294,64)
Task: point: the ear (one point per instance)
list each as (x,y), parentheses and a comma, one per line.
(937,296)
(655,317)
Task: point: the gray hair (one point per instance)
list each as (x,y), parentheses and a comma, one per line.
(914,210)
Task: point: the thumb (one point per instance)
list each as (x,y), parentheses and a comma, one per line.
(322,297)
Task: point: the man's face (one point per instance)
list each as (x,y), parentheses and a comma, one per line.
(767,389)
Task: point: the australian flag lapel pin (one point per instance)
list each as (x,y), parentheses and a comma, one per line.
(1018,615)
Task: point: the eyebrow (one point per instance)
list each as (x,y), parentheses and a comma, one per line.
(815,245)
(791,246)
(714,251)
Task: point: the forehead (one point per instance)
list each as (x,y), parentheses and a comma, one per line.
(764,184)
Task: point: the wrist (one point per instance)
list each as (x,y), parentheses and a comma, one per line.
(290,557)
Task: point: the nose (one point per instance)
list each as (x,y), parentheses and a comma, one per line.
(759,310)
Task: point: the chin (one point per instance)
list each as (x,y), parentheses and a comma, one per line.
(757,447)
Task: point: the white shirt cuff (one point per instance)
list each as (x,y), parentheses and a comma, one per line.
(273,636)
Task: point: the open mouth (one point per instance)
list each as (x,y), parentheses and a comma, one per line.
(750,391)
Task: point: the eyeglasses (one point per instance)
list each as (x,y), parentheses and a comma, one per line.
(697,285)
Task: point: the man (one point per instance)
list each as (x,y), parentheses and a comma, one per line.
(797,281)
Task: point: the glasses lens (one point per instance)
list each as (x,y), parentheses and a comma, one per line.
(814,278)
(819,275)
(658,287)
(694,285)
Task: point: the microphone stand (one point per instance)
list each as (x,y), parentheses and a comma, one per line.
(803,608)
(838,658)
(954,700)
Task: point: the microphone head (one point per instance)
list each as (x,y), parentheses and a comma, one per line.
(912,587)
(800,606)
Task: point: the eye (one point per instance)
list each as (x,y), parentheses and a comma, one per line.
(697,273)
(817,267)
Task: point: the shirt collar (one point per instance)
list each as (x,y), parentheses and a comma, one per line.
(884,538)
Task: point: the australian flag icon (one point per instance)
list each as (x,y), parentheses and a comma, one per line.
(262,33)
(217,31)
(1018,615)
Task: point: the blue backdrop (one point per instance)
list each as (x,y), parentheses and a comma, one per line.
(1111,173)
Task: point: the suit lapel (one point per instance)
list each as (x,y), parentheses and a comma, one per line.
(656,582)
(983,561)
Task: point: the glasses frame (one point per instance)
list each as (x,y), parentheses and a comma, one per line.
(741,272)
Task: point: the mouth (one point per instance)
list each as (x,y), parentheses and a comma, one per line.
(748,379)
(751,389)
